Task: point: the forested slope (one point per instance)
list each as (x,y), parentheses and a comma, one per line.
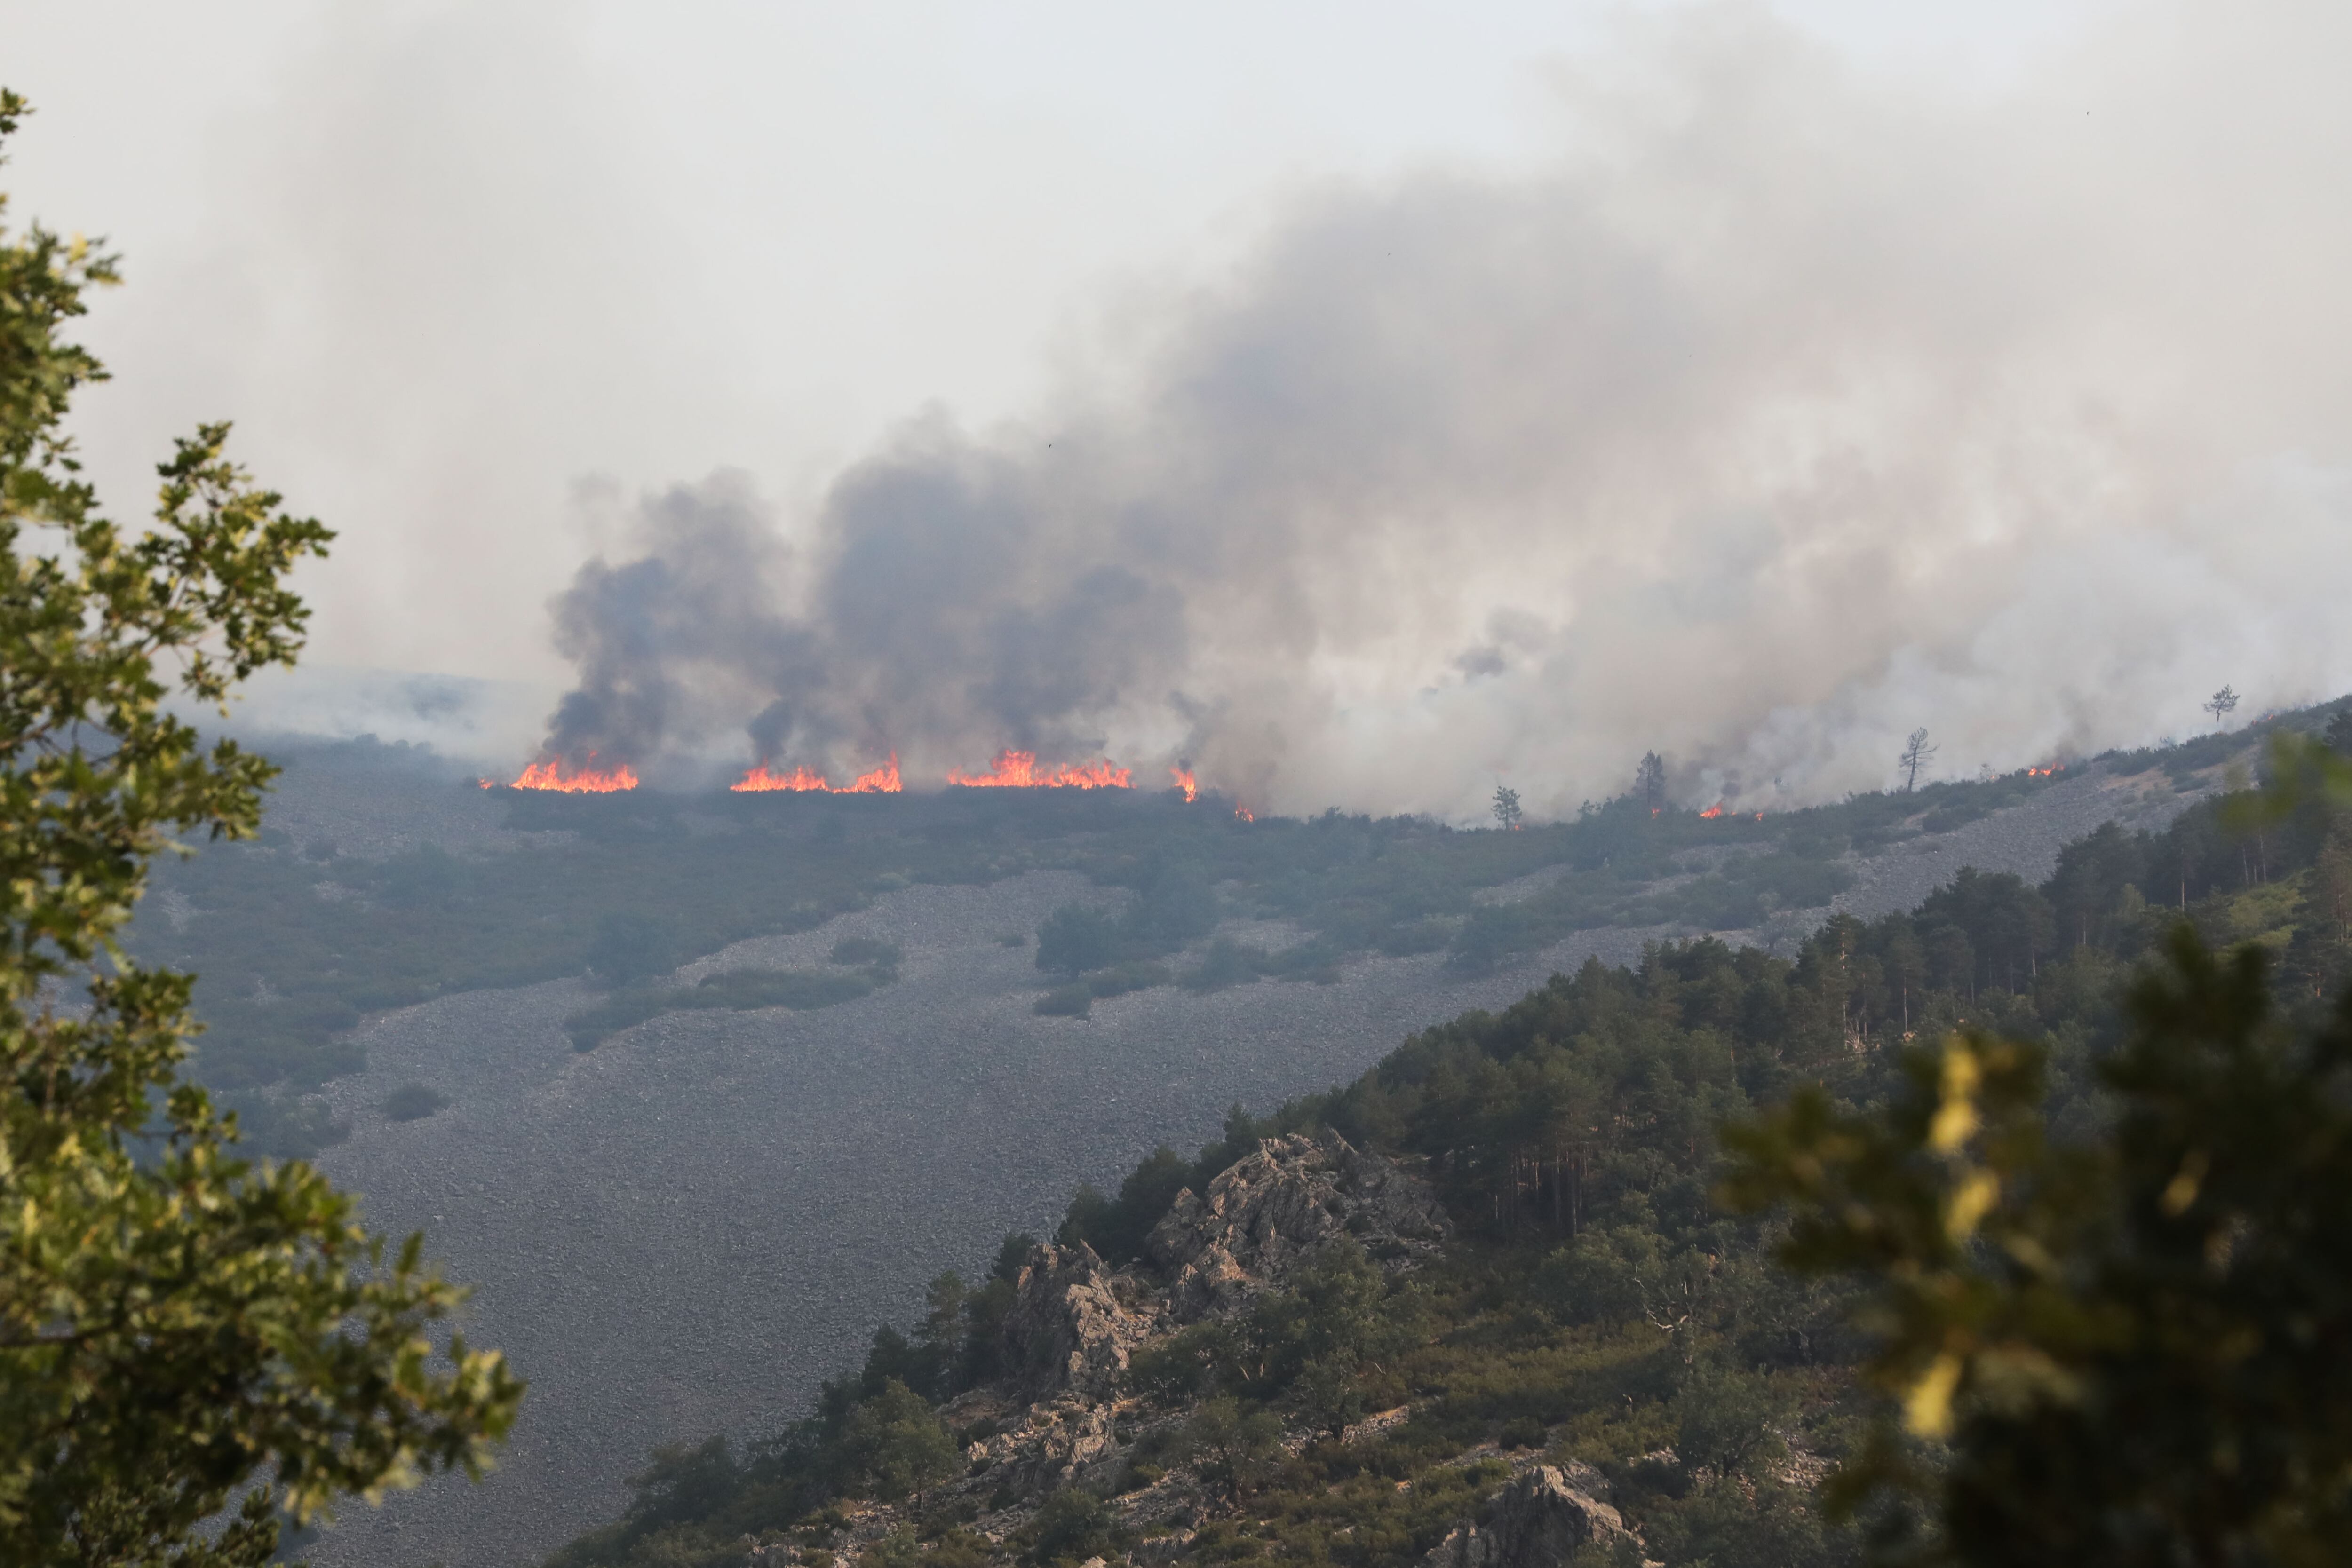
(1359,1398)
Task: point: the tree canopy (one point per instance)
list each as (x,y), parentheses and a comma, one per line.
(176,1323)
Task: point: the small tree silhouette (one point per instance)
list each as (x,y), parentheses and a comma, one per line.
(1915,754)
(1649,781)
(2220,703)
(1506,808)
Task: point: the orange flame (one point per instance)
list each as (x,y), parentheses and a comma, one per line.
(549,775)
(883,781)
(2049,772)
(1246,815)
(759,779)
(1186,782)
(1019,770)
(1712,812)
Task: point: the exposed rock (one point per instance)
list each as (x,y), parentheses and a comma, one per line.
(1072,1326)
(1276,1205)
(1057,1444)
(1377,1424)
(1586,1478)
(1539,1520)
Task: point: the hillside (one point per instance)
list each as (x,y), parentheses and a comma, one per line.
(684,1228)
(1481,1296)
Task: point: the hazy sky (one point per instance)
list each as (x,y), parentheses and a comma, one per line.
(1381,398)
(444,262)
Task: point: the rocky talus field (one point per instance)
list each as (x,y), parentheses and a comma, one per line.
(683,1230)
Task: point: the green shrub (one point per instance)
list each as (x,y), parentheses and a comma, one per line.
(1068,1001)
(1077,937)
(592,1027)
(629,945)
(413,1102)
(1523,1432)
(893,1444)
(1226,963)
(1073,1526)
(1121,978)
(1116,1228)
(741,990)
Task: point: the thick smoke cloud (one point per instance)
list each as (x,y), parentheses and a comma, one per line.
(1791,410)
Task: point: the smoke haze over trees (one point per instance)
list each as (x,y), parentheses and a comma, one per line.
(1820,405)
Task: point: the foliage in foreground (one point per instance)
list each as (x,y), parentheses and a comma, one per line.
(2129,1349)
(175,1324)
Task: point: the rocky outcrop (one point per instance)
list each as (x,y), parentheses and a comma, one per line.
(1055,1445)
(1276,1205)
(1060,1415)
(1539,1520)
(1073,1323)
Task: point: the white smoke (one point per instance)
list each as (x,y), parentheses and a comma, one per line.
(1791,410)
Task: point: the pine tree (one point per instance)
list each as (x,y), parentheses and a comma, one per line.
(1917,754)
(1650,782)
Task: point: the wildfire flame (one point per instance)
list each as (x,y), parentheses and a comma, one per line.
(1019,770)
(1246,815)
(883,781)
(588,781)
(1186,782)
(759,780)
(2049,772)
(1712,811)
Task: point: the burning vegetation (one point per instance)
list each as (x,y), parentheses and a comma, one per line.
(883,781)
(587,779)
(1019,770)
(1011,770)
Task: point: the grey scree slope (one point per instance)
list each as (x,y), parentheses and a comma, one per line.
(682,1231)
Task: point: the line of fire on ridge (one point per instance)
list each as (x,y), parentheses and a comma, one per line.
(1011,770)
